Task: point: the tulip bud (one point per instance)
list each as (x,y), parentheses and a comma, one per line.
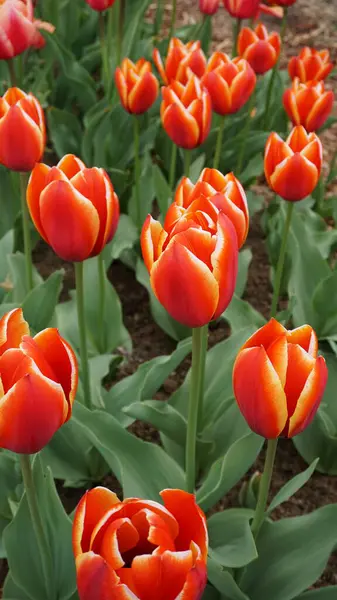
(39,381)
(279,380)
(137,86)
(292,168)
(209,7)
(79,202)
(139,548)
(186,113)
(308,104)
(180,61)
(100,4)
(230,83)
(242,9)
(259,48)
(310,65)
(22,130)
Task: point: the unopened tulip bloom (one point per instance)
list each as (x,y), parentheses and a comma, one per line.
(100,4)
(22,130)
(137,86)
(18,28)
(209,7)
(230,83)
(139,549)
(292,168)
(242,9)
(279,380)
(310,65)
(38,384)
(186,113)
(181,59)
(224,192)
(74,209)
(308,104)
(259,48)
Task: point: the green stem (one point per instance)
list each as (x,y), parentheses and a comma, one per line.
(101,279)
(280,264)
(110,35)
(218,147)
(187,162)
(12,73)
(264,487)
(236,31)
(274,73)
(203,352)
(83,333)
(159,18)
(173,18)
(35,515)
(104,54)
(137,170)
(244,135)
(26,232)
(173,166)
(196,393)
(120,21)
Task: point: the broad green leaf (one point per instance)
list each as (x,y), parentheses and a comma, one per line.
(162,190)
(240,314)
(9,200)
(65,131)
(325,593)
(10,478)
(196,168)
(210,593)
(17,276)
(39,305)
(224,582)
(325,290)
(13,592)
(292,486)
(6,247)
(124,239)
(162,416)
(245,258)
(230,538)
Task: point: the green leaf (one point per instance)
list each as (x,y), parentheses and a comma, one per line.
(9,200)
(326,593)
(17,275)
(65,131)
(325,290)
(224,581)
(10,478)
(240,314)
(124,239)
(39,305)
(292,486)
(196,168)
(230,537)
(245,258)
(163,192)
(6,247)
(13,592)
(210,593)
(162,416)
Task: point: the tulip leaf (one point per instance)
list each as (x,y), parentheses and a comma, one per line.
(11,591)
(6,247)
(162,416)
(39,305)
(274,574)
(124,239)
(210,593)
(245,258)
(292,486)
(65,131)
(10,478)
(223,581)
(325,593)
(17,277)
(162,190)
(9,200)
(325,290)
(240,314)
(230,537)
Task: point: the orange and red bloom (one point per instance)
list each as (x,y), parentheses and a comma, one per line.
(74,209)
(39,378)
(137,86)
(225,192)
(282,2)
(279,380)
(181,59)
(18,28)
(230,82)
(192,261)
(292,168)
(100,4)
(186,112)
(242,9)
(209,7)
(308,104)
(259,48)
(22,130)
(139,549)
(310,65)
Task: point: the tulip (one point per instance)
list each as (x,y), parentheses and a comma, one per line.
(279,380)
(39,382)
(209,7)
(18,28)
(22,130)
(181,59)
(79,202)
(224,192)
(100,4)
(186,113)
(242,9)
(259,48)
(310,65)
(308,104)
(285,3)
(198,251)
(139,549)
(137,86)
(292,168)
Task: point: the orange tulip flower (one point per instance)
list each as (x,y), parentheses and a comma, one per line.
(100,4)
(230,83)
(18,28)
(292,168)
(198,251)
(76,201)
(186,113)
(181,59)
(139,549)
(308,104)
(209,7)
(310,65)
(259,48)
(137,86)
(225,192)
(22,130)
(279,380)
(250,9)
(38,384)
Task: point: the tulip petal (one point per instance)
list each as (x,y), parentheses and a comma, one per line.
(97,581)
(276,152)
(290,106)
(159,64)
(219,91)
(119,537)
(144,94)
(298,138)
(225,262)
(278,355)
(152,238)
(19,130)
(153,530)
(261,57)
(12,328)
(70,165)
(266,335)
(180,126)
(320,111)
(300,365)
(242,86)
(305,337)
(295,178)
(314,152)
(161,577)
(90,510)
(195,582)
(122,88)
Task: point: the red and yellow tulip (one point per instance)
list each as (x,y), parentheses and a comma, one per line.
(18,28)
(137,86)
(100,4)
(308,104)
(181,59)
(260,48)
(209,7)
(310,65)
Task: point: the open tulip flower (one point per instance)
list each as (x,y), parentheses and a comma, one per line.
(209,7)
(196,252)
(181,59)
(310,65)
(100,4)
(38,384)
(18,28)
(137,86)
(279,380)
(22,130)
(74,209)
(259,48)
(225,192)
(308,104)
(292,168)
(139,549)
(230,83)
(186,112)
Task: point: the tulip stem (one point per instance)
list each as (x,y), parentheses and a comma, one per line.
(12,73)
(280,264)
(236,31)
(274,73)
(83,334)
(173,167)
(203,352)
(195,400)
(173,18)
(35,515)
(105,55)
(219,138)
(244,135)
(264,487)
(159,18)
(101,277)
(187,162)
(137,170)
(26,233)
(120,26)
